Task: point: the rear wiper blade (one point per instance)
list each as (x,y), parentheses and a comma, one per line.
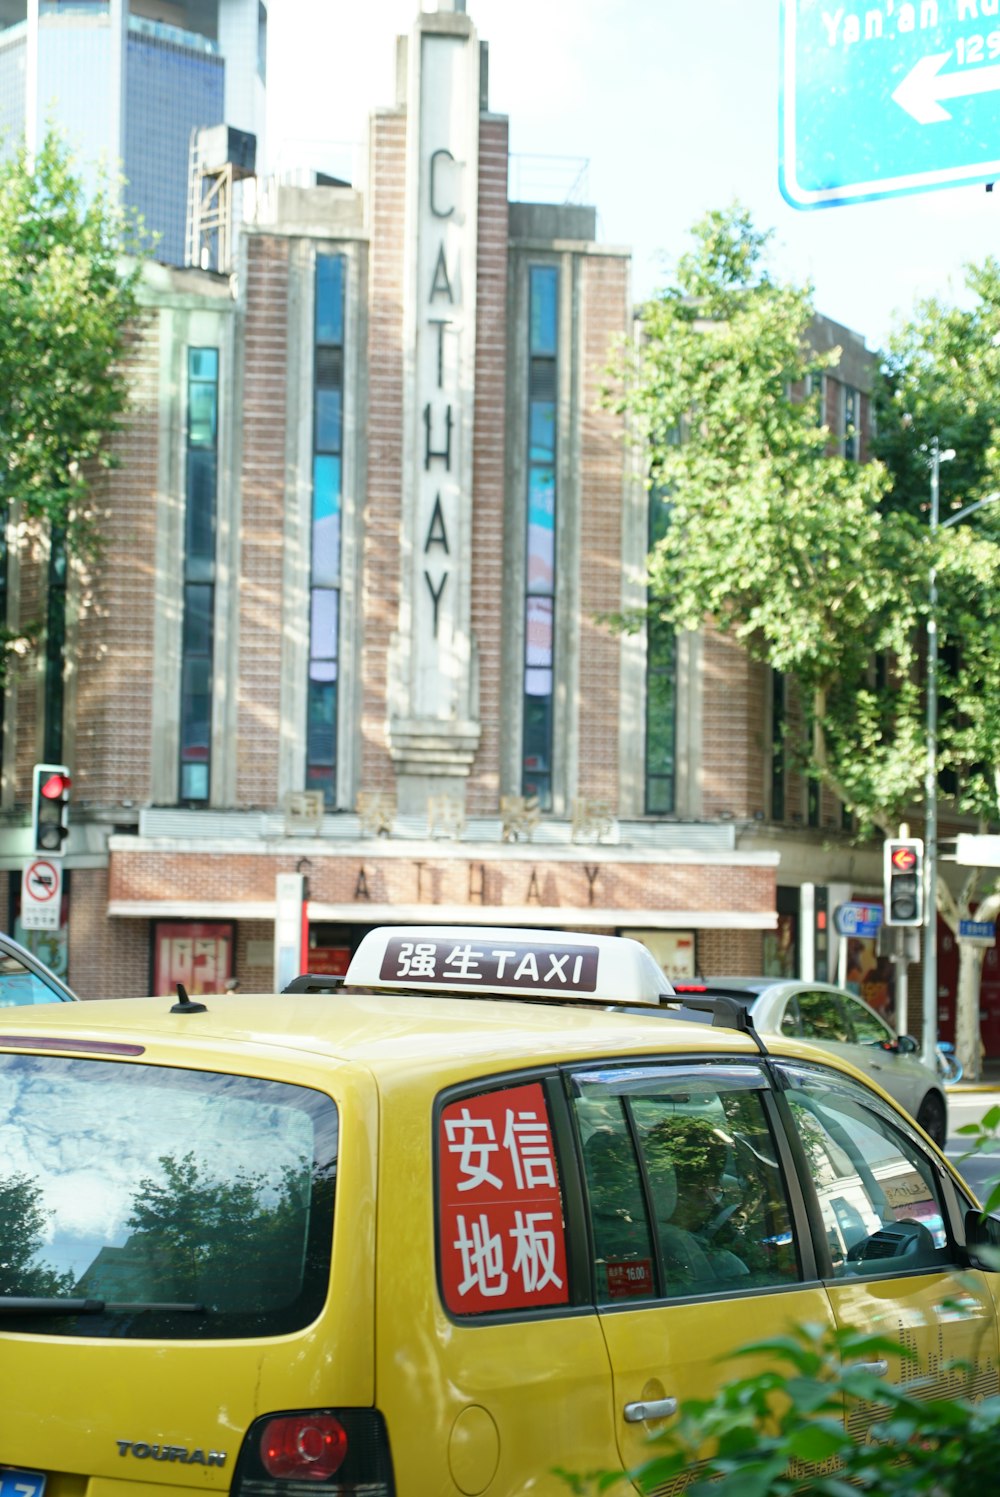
(12,1304)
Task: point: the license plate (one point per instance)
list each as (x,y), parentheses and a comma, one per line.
(21,1483)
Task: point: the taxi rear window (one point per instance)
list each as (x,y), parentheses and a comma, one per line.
(146,1201)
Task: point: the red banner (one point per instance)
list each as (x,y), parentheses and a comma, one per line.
(196,953)
(503,1242)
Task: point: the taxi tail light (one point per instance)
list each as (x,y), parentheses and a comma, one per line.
(341,1451)
(310,1446)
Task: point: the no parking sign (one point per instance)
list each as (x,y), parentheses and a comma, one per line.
(41,894)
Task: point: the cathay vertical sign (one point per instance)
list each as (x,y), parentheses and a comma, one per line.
(432,731)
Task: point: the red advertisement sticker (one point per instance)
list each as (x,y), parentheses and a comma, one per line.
(629,1277)
(503,1241)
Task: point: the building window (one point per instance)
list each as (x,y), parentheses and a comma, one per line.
(199,574)
(661,687)
(812,800)
(540,580)
(324,581)
(262,41)
(779,759)
(55,647)
(852,423)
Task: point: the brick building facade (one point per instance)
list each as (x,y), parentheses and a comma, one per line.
(343,648)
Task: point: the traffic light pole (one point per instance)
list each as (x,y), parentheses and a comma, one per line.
(930,983)
(929,1033)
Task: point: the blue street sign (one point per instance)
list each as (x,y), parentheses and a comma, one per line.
(982,932)
(883,97)
(858,920)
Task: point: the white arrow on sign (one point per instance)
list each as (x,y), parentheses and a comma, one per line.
(922,90)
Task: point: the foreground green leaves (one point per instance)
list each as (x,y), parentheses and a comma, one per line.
(783,1431)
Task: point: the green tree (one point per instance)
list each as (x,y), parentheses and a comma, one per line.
(224,1240)
(771,536)
(812,560)
(941,384)
(22,1235)
(67,301)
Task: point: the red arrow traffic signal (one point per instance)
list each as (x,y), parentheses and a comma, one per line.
(903,881)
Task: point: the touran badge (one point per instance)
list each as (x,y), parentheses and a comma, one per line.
(179,1453)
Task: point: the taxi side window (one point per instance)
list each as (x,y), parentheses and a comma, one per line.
(685,1193)
(879,1195)
(623,1248)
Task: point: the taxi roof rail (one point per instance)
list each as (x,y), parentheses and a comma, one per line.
(727,1013)
(314,982)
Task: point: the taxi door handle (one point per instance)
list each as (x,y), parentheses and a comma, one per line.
(656,1408)
(877,1369)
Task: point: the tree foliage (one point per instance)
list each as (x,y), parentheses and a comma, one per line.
(23,1220)
(941,383)
(200,1237)
(772,534)
(784,1431)
(820,565)
(769,533)
(67,298)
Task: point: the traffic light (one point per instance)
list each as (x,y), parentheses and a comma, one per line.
(904,881)
(50,787)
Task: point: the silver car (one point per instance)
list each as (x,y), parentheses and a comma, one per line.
(838,1021)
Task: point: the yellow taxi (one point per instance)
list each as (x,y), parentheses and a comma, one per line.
(459,1224)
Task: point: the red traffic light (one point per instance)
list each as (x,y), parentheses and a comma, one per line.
(50,797)
(903,858)
(55,786)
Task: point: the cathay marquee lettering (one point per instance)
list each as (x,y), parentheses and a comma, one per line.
(492,885)
(438,411)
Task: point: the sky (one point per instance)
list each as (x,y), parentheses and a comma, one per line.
(671,109)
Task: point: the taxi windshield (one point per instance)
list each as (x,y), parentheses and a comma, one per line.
(142,1200)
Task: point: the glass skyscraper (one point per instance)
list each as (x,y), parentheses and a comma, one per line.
(128,81)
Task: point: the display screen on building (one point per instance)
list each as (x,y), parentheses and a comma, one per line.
(198,954)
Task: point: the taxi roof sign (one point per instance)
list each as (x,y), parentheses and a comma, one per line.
(542,964)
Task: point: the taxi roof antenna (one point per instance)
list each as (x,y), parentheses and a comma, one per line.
(186,1005)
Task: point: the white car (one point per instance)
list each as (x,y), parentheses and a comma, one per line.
(843,1023)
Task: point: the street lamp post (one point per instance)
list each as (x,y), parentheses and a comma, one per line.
(930,985)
